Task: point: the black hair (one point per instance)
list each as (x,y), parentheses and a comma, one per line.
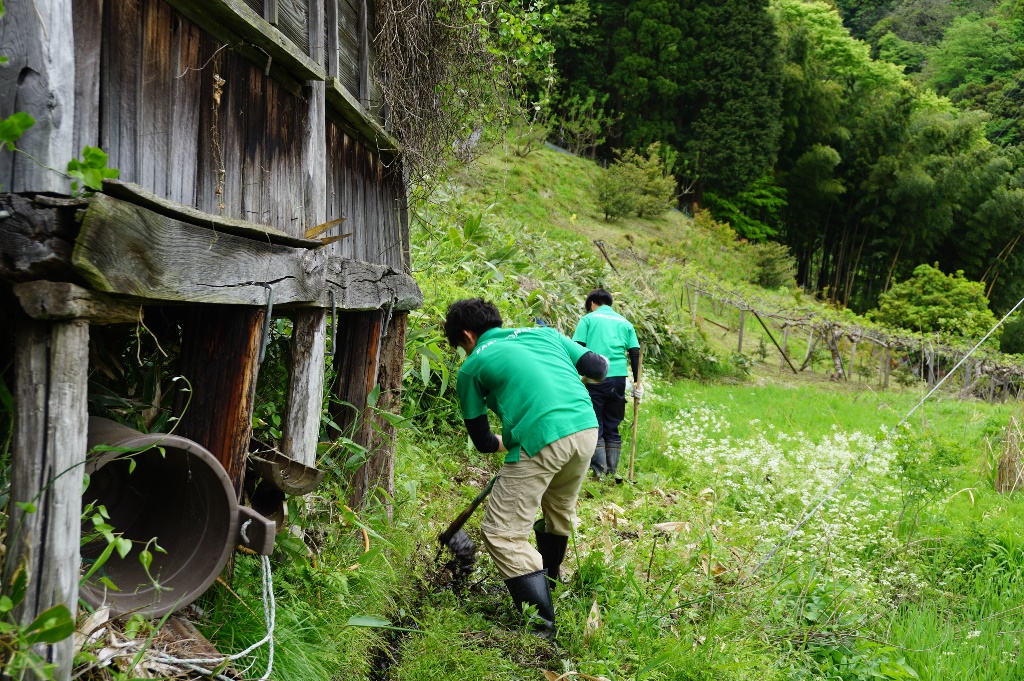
(599,296)
(472,314)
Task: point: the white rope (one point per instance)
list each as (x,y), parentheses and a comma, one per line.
(860,461)
(269,616)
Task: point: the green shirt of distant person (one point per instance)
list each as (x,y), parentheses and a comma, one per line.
(527,377)
(608,333)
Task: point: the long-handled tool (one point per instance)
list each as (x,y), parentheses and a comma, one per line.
(456,539)
(636,412)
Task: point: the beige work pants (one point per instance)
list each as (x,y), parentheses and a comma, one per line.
(549,480)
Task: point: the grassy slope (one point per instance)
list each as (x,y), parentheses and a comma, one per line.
(639,588)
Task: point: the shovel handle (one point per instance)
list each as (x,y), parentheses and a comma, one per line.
(457,524)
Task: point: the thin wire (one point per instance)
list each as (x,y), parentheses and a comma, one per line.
(860,461)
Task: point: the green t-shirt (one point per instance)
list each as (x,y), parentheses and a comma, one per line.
(607,333)
(528,378)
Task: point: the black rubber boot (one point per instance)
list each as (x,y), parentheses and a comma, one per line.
(533,589)
(551,548)
(598,462)
(611,453)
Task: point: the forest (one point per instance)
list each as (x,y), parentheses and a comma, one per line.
(868,137)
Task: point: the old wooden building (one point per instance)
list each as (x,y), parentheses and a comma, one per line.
(257,178)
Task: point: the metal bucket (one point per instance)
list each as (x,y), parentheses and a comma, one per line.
(177,493)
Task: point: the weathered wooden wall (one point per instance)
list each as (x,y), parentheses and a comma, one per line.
(197,123)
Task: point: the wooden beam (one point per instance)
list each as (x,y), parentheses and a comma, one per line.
(360,285)
(233,22)
(219,358)
(380,466)
(358,122)
(48,456)
(35,241)
(61,300)
(129,250)
(133,193)
(39,80)
(305,386)
(780,348)
(270,12)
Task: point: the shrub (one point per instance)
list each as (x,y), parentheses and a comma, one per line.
(931,301)
(637,183)
(774,266)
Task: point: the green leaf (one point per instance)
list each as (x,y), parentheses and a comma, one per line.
(109,584)
(12,128)
(371,399)
(123,546)
(19,584)
(6,604)
(53,625)
(131,466)
(377,623)
(98,563)
(26,506)
(424,369)
(146,558)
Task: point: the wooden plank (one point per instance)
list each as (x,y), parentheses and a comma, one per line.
(186,102)
(355,367)
(359,285)
(331,18)
(348,45)
(235,17)
(61,300)
(119,86)
(358,122)
(317,27)
(155,108)
(364,55)
(39,80)
(135,194)
(271,12)
(35,241)
(219,358)
(305,386)
(294,22)
(87,19)
(129,250)
(48,453)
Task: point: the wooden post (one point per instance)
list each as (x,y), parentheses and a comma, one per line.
(220,358)
(39,80)
(853,359)
(381,465)
(785,341)
(364,53)
(305,386)
(693,310)
(888,362)
(739,345)
(636,415)
(48,455)
(355,365)
(810,349)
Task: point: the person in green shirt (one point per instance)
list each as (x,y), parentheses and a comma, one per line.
(530,378)
(608,333)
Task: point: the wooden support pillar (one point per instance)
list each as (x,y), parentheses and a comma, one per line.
(356,366)
(693,310)
(220,359)
(305,386)
(888,362)
(739,345)
(364,53)
(39,80)
(785,341)
(810,351)
(853,359)
(48,456)
(381,465)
